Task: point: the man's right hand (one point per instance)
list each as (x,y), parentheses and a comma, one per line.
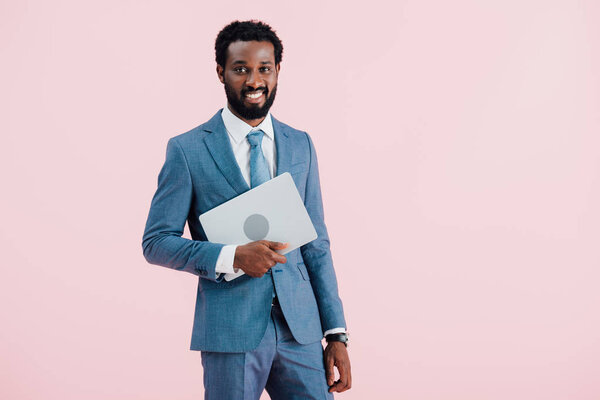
(256,258)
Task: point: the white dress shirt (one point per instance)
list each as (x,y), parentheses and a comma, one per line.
(237,131)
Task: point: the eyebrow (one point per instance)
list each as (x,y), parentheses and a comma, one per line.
(238,62)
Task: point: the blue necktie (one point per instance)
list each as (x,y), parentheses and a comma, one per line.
(259,170)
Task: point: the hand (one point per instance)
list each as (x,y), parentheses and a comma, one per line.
(256,258)
(336,354)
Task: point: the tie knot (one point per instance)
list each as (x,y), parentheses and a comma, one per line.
(255,138)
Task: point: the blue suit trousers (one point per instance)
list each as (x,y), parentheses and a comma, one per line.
(287,369)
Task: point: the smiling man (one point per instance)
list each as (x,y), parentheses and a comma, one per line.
(260,316)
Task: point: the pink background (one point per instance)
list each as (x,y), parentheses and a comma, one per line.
(460,164)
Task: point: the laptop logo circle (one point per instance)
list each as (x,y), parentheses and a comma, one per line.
(256,227)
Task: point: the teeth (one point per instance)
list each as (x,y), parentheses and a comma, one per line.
(254,95)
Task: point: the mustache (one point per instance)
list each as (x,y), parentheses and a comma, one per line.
(248,89)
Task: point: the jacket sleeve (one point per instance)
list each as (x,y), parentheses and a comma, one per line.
(317,255)
(162,242)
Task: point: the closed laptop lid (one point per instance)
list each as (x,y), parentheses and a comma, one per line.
(271,211)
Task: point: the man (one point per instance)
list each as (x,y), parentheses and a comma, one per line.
(260,316)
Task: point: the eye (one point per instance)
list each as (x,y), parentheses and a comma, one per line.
(265,69)
(240,70)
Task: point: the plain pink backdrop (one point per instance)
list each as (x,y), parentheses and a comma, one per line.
(460,162)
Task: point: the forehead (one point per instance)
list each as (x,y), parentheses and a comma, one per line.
(251,52)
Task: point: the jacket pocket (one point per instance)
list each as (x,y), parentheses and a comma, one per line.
(303,271)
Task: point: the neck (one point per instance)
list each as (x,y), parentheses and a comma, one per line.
(251,122)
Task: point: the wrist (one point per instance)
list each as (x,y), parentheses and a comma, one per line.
(237,257)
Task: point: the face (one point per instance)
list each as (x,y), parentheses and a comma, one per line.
(250,79)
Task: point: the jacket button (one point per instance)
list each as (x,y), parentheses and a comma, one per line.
(202,272)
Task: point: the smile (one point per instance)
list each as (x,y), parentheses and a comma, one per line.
(254,95)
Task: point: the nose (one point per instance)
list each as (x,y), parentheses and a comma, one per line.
(254,80)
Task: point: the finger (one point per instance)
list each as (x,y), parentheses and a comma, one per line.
(276,245)
(329,373)
(278,258)
(339,387)
(269,265)
(335,387)
(344,381)
(349,385)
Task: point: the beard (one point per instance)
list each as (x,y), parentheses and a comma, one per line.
(254,111)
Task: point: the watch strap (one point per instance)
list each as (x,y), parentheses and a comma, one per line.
(337,337)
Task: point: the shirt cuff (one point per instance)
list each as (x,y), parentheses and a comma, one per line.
(334,330)
(224,263)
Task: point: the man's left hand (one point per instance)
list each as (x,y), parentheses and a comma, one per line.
(336,355)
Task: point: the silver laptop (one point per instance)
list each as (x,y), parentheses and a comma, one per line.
(272,211)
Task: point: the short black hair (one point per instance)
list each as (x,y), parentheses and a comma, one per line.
(246,31)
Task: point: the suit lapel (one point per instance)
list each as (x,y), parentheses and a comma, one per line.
(284,148)
(219,147)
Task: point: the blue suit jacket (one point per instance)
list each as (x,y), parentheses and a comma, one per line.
(200,172)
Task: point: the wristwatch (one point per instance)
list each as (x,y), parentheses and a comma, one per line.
(337,337)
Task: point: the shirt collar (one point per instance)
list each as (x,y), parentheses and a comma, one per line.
(238,129)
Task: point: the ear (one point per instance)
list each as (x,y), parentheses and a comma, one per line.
(220,73)
(277,68)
